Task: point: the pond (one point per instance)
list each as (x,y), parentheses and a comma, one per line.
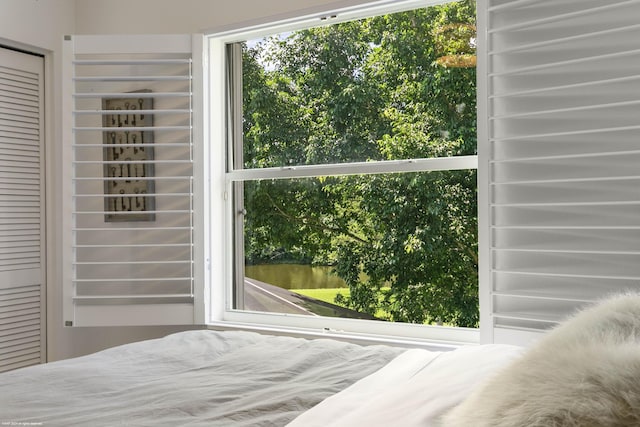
(295,276)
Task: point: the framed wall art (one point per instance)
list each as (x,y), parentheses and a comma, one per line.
(128,158)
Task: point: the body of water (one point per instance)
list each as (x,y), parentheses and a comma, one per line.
(295,276)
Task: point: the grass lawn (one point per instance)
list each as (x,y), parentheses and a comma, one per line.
(329,295)
(326,295)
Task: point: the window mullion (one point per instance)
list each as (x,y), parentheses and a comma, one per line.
(357,168)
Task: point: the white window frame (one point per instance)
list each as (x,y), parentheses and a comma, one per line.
(221,175)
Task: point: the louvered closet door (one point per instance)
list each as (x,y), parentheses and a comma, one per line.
(22,297)
(563,80)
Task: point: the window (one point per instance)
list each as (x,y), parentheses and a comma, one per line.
(351,167)
(557,167)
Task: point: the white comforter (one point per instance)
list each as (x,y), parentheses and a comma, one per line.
(229,379)
(196,378)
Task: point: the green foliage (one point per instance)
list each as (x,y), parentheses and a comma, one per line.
(405,244)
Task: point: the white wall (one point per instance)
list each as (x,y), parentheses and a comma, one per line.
(35,24)
(188,16)
(39,26)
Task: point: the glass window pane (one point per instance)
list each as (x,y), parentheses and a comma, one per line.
(396,247)
(390,87)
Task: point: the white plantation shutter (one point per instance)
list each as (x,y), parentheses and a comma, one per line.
(129,144)
(22,289)
(562,81)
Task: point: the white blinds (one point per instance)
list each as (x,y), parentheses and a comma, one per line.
(563,79)
(22,292)
(131,228)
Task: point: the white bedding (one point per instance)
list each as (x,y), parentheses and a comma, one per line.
(414,389)
(208,378)
(195,378)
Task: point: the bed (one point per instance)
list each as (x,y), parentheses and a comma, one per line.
(232,378)
(237,378)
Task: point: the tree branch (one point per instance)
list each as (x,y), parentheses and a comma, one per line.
(312,222)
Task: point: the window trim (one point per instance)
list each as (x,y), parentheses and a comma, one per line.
(222,175)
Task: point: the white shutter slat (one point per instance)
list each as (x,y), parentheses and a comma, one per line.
(571,192)
(10,331)
(20,350)
(597,216)
(18,243)
(124,94)
(26,339)
(23,308)
(9,363)
(21,94)
(605,166)
(520,21)
(513,14)
(556,287)
(622,140)
(569,240)
(14,110)
(574,264)
(20,325)
(563,101)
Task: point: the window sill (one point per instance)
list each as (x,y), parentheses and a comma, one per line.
(352,337)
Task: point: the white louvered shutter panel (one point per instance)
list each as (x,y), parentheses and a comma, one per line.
(563,132)
(22,290)
(130,180)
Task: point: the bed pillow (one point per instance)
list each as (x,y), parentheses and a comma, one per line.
(586,372)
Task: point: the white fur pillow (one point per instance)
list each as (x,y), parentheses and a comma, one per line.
(584,373)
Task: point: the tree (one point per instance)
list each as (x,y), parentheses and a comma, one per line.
(374,89)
